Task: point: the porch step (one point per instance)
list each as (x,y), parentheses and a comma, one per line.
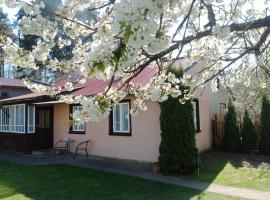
(43,153)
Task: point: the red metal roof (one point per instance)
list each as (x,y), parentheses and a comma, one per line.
(94,86)
(12,82)
(22,97)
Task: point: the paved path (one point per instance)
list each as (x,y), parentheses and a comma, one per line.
(141,170)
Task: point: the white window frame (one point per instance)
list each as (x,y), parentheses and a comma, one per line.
(12,121)
(196,115)
(121,117)
(76,125)
(34,119)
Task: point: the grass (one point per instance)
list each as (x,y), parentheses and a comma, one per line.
(20,182)
(236,172)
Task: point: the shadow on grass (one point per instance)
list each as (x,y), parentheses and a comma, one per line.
(234,169)
(68,182)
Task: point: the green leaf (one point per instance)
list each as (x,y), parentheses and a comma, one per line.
(126,30)
(159,34)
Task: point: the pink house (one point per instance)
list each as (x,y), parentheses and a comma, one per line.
(41,121)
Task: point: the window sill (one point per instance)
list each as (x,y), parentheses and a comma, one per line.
(77,132)
(198,131)
(7,132)
(120,134)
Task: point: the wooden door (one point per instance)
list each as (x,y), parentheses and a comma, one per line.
(44,127)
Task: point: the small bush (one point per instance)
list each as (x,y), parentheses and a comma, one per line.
(231,138)
(248,134)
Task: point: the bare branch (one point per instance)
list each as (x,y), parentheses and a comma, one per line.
(211,14)
(184,20)
(102,6)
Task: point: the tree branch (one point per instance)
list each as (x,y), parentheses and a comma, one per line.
(211,14)
(102,6)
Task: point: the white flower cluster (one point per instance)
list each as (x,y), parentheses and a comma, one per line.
(159,89)
(19,56)
(127,34)
(43,89)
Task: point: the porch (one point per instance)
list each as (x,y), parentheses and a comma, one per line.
(26,127)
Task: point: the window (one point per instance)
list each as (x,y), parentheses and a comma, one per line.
(31,119)
(4,119)
(12,118)
(196,113)
(218,83)
(77,127)
(4,95)
(44,119)
(120,119)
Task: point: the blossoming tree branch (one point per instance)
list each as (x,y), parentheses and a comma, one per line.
(229,39)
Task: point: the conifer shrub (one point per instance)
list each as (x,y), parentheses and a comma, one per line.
(231,137)
(178,152)
(265,127)
(248,135)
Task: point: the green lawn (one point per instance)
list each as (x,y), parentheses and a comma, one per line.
(50,182)
(234,170)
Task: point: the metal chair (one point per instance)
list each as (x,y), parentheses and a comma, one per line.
(62,146)
(82,147)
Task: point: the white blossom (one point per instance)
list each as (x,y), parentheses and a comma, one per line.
(126,34)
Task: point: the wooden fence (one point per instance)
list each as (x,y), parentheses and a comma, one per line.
(218,126)
(218,129)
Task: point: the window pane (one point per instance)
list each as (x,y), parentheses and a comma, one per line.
(125,115)
(31,119)
(47,119)
(116,118)
(12,118)
(77,126)
(196,115)
(44,118)
(121,121)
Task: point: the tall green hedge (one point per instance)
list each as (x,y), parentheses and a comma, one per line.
(265,127)
(178,152)
(231,138)
(248,134)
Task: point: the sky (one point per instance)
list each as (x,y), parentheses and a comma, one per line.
(261,4)
(10,11)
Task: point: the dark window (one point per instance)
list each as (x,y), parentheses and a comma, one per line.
(4,95)
(120,119)
(196,110)
(44,119)
(218,83)
(77,127)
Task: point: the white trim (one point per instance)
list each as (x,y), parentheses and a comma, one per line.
(49,102)
(34,119)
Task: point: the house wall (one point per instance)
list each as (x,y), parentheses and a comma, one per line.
(204,94)
(204,138)
(218,97)
(143,145)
